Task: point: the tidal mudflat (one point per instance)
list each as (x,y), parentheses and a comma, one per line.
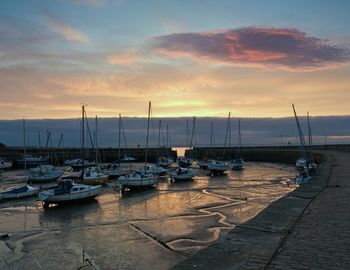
(151,229)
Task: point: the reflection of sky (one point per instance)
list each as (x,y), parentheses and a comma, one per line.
(255,131)
(117,55)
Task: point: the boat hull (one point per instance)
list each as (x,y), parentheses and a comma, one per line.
(44,178)
(93,181)
(137,183)
(30,191)
(70,197)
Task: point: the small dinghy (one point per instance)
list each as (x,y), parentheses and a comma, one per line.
(19,192)
(67,192)
(183,174)
(5,164)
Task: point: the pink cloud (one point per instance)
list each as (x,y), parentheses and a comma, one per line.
(266,47)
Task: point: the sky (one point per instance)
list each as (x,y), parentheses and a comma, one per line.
(205,58)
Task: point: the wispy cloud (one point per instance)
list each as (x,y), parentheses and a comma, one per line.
(66,30)
(285,48)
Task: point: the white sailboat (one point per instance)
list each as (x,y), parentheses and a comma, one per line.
(218,167)
(137,179)
(19,192)
(115,170)
(304,158)
(91,175)
(67,191)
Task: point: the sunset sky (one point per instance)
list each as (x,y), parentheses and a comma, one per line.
(205,58)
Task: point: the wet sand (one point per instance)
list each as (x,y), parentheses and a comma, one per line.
(157,228)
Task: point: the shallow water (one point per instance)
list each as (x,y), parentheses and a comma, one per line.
(140,230)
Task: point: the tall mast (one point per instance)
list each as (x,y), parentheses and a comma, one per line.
(227,130)
(39,140)
(25,150)
(309,129)
(167,136)
(193,131)
(82,137)
(211,134)
(301,136)
(119,139)
(96,147)
(187,134)
(158,145)
(148,120)
(239,137)
(167,139)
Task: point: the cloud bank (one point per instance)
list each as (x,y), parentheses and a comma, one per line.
(285,48)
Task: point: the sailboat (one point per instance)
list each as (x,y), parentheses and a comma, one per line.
(44,173)
(183,174)
(114,170)
(163,161)
(67,191)
(218,167)
(138,179)
(91,175)
(304,158)
(185,161)
(237,163)
(25,190)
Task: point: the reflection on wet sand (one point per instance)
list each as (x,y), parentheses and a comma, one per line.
(139,229)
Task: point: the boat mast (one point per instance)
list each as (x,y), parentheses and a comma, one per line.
(158,145)
(25,150)
(96,145)
(82,137)
(211,134)
(167,140)
(301,136)
(119,131)
(187,134)
(309,129)
(148,120)
(239,138)
(227,132)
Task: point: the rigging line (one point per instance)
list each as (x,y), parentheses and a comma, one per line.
(89,132)
(122,127)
